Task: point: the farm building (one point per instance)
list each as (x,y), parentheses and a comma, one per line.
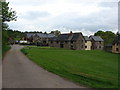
(116,45)
(69,41)
(75,41)
(97,43)
(88,43)
(39,38)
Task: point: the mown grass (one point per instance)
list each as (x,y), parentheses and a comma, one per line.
(97,69)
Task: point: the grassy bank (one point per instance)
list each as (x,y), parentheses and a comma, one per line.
(97,69)
(5,48)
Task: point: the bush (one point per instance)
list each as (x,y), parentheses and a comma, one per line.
(24,51)
(5,48)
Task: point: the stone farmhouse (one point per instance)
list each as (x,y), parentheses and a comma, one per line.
(77,41)
(116,45)
(88,43)
(69,41)
(74,41)
(39,38)
(97,43)
(113,47)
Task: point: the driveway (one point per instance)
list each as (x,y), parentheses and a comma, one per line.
(20,72)
(0,74)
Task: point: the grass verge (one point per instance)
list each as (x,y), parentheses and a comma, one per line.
(5,48)
(96,69)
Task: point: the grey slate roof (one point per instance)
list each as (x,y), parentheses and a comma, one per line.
(42,35)
(75,36)
(87,38)
(116,40)
(108,45)
(45,35)
(96,38)
(28,35)
(66,37)
(63,37)
(53,39)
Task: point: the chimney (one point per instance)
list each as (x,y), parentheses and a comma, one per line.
(71,33)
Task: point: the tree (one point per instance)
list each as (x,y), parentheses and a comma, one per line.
(56,32)
(45,32)
(7,13)
(107,36)
(118,33)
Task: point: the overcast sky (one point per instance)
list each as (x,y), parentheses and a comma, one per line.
(86,16)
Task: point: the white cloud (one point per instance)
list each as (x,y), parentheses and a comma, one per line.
(86,16)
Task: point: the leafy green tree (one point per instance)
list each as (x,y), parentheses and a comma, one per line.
(45,32)
(56,32)
(107,36)
(7,15)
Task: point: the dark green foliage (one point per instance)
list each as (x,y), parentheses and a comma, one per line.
(56,32)
(93,68)
(7,15)
(5,48)
(108,36)
(24,51)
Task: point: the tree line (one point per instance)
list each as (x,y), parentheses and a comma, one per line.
(107,36)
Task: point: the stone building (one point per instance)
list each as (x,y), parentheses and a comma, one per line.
(73,41)
(97,43)
(39,38)
(88,43)
(116,45)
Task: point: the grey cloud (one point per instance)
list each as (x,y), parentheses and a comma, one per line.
(109,4)
(32,2)
(35,14)
(106,20)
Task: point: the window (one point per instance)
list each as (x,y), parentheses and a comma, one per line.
(100,42)
(91,47)
(85,46)
(51,41)
(71,41)
(82,40)
(117,44)
(66,42)
(44,41)
(72,47)
(99,46)
(117,49)
(82,46)
(57,42)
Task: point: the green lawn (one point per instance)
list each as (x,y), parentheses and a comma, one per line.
(97,69)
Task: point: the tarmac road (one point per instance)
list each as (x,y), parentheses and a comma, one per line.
(20,72)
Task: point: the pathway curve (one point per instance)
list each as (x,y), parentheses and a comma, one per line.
(20,72)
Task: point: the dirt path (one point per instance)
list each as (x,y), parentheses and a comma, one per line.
(20,72)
